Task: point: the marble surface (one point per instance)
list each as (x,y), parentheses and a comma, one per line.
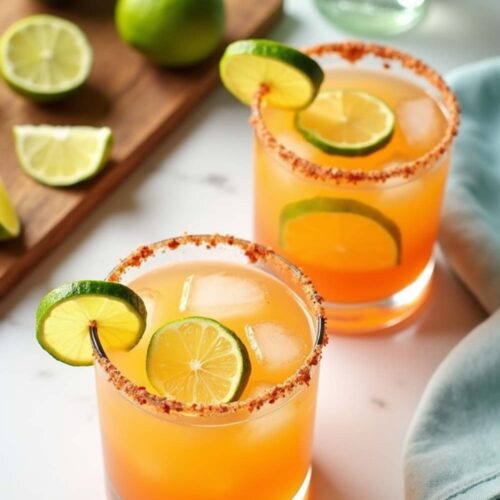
(200,181)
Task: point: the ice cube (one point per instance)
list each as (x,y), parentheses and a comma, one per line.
(275,345)
(151,298)
(221,295)
(275,423)
(259,389)
(419,120)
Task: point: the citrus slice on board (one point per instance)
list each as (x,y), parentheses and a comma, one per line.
(45,57)
(62,156)
(346,122)
(10,227)
(198,360)
(292,77)
(65,314)
(340,233)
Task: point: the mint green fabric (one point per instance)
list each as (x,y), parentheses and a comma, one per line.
(452,449)
(470,228)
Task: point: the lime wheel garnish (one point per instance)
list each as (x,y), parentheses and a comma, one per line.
(66,314)
(291,78)
(346,122)
(340,233)
(198,360)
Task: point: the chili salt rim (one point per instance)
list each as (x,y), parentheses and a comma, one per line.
(254,252)
(352,52)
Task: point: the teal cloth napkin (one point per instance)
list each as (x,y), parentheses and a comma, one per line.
(452,449)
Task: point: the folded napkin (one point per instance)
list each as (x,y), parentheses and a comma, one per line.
(470,228)
(452,449)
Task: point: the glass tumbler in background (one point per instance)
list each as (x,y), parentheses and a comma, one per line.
(374,17)
(256,448)
(362,227)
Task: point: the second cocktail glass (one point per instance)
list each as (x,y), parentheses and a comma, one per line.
(363,227)
(257,447)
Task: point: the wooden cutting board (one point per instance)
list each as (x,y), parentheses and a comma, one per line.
(139,101)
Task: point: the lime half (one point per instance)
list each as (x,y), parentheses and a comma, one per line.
(346,122)
(45,57)
(293,78)
(10,227)
(198,360)
(340,233)
(62,156)
(65,314)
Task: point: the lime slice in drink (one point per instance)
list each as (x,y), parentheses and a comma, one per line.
(198,360)
(65,314)
(346,122)
(293,79)
(62,156)
(45,57)
(340,233)
(10,227)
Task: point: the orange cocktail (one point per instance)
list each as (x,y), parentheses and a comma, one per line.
(256,447)
(362,226)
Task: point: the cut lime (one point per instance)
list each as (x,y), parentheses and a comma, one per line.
(198,360)
(340,233)
(45,57)
(65,314)
(10,227)
(293,79)
(346,122)
(62,156)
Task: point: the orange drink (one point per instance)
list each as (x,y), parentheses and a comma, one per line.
(257,446)
(361,219)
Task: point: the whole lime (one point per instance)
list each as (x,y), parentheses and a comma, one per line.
(171,32)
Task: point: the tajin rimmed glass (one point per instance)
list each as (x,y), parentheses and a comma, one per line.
(406,195)
(155,447)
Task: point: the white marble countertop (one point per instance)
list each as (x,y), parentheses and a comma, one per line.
(200,181)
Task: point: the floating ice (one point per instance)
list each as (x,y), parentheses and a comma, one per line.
(220,295)
(274,345)
(259,389)
(419,119)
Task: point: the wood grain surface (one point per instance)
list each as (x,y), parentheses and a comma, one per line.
(138,100)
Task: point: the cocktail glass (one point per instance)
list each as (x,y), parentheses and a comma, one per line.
(156,448)
(364,227)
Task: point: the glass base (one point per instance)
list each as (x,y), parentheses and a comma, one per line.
(373,17)
(369,317)
(302,492)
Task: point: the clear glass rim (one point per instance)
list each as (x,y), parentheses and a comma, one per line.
(254,253)
(353,52)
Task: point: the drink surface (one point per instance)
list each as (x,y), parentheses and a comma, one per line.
(420,122)
(266,315)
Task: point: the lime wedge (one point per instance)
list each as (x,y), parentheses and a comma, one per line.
(198,360)
(45,57)
(346,122)
(65,314)
(340,233)
(62,156)
(10,227)
(293,79)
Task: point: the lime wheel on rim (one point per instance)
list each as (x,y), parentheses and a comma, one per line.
(65,314)
(292,78)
